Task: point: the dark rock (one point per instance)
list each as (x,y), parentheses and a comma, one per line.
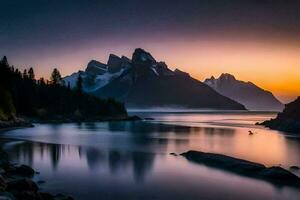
(62,197)
(18,122)
(288,120)
(294,167)
(22,170)
(27,195)
(25,170)
(96,68)
(6,196)
(173,154)
(149,118)
(41,182)
(3,184)
(140,56)
(4,161)
(114,63)
(46,196)
(22,185)
(276,175)
(133,118)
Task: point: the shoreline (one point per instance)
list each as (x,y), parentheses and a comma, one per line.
(29,123)
(16,182)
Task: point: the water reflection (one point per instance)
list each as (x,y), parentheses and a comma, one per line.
(130,160)
(140,163)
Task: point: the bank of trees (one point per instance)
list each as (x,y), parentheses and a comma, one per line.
(22,95)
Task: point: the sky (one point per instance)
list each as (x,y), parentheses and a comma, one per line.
(255,40)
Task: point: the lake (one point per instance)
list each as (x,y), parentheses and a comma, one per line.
(131,160)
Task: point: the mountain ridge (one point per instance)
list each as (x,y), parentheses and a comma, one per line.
(144,82)
(246,93)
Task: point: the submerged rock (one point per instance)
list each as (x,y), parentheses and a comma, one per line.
(22,170)
(16,183)
(25,170)
(22,185)
(276,175)
(294,167)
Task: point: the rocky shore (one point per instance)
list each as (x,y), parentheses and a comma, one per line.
(275,175)
(16,183)
(288,120)
(27,123)
(16,123)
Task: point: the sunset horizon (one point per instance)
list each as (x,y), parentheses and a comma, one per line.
(150,100)
(248,39)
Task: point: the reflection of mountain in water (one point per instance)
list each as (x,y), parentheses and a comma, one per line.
(139,162)
(128,146)
(218,131)
(143,127)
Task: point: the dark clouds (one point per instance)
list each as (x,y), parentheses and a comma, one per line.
(54,24)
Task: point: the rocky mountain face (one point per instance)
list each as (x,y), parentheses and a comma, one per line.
(288,120)
(246,93)
(144,82)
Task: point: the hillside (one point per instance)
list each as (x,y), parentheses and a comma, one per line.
(288,120)
(144,82)
(246,93)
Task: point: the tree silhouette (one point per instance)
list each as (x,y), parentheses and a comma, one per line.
(25,74)
(79,84)
(31,75)
(55,77)
(20,96)
(4,61)
(7,109)
(42,82)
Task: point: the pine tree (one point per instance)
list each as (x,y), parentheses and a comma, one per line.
(4,61)
(31,75)
(55,77)
(25,74)
(42,82)
(7,109)
(79,84)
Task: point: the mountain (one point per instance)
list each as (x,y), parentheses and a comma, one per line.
(288,120)
(246,93)
(144,82)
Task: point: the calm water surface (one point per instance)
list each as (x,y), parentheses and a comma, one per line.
(130,160)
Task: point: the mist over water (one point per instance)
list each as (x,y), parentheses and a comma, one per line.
(130,160)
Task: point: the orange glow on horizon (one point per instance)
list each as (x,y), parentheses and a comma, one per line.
(272,66)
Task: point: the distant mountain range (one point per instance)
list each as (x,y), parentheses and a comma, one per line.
(142,82)
(246,93)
